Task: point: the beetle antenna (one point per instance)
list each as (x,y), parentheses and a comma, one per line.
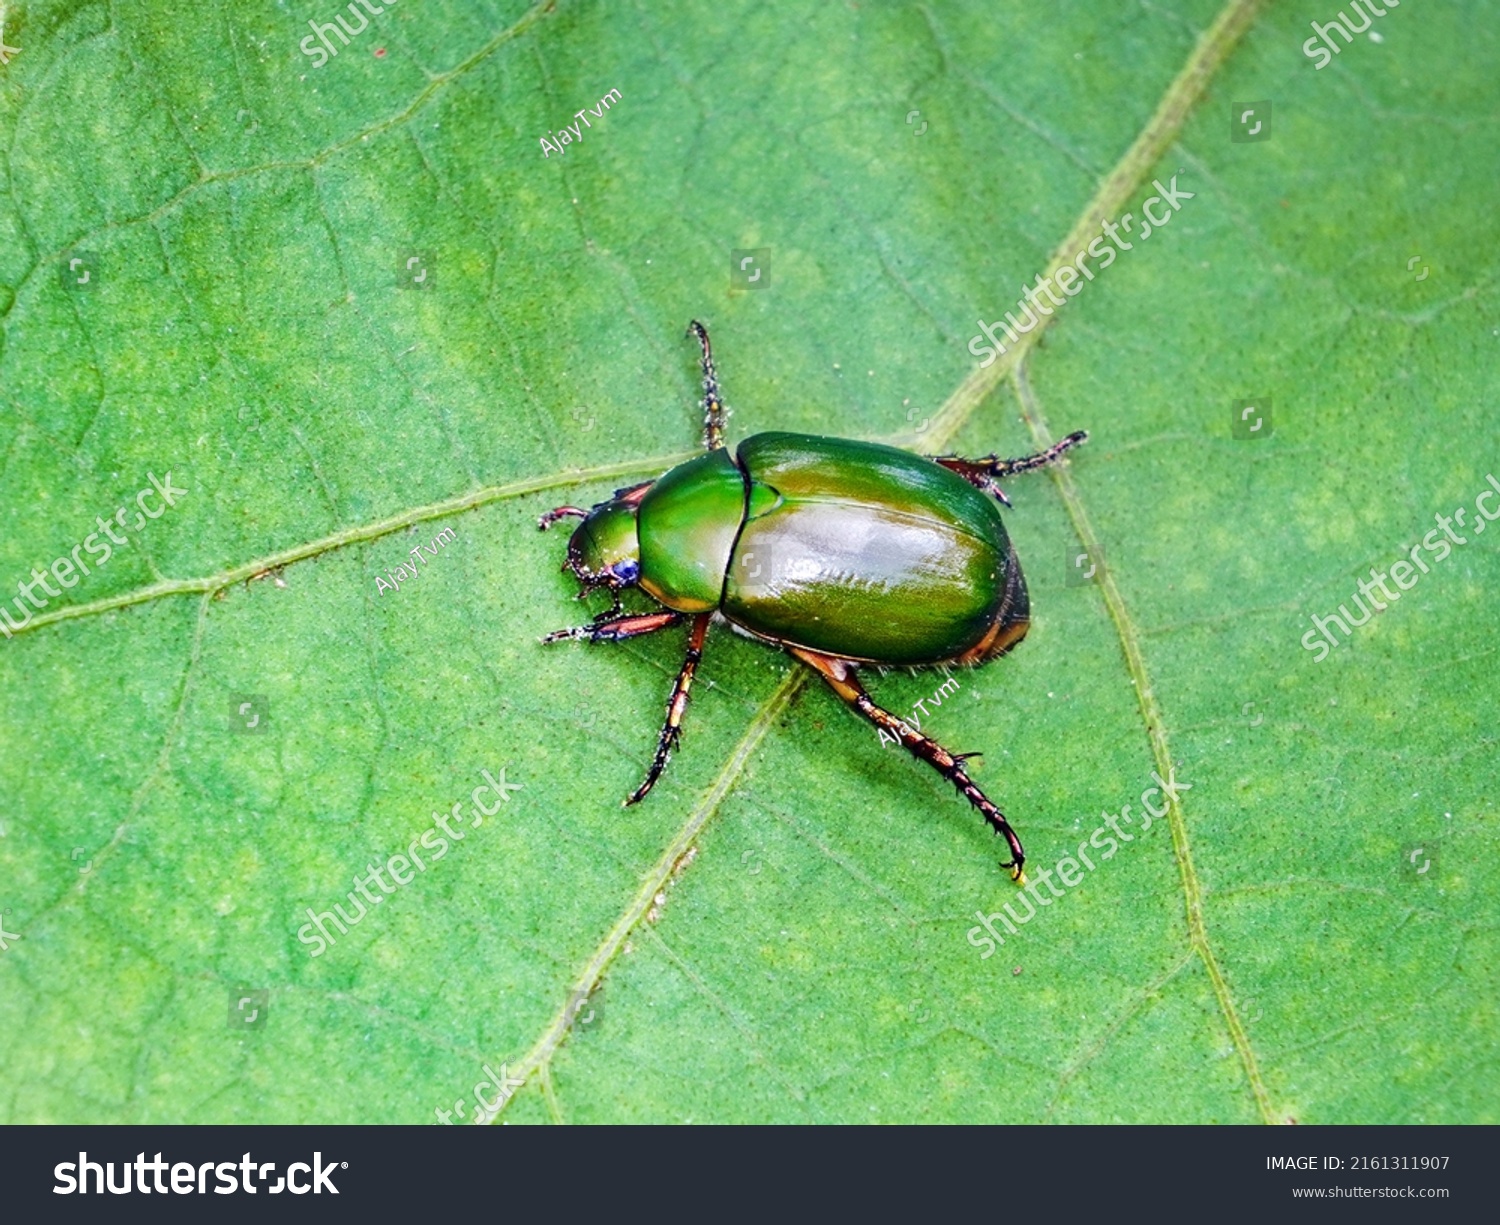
(714,412)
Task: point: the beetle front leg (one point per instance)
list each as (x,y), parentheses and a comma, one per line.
(841,679)
(676,706)
(616,629)
(561,512)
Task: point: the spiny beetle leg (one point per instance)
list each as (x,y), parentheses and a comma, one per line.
(618,628)
(983,473)
(842,680)
(676,706)
(713,406)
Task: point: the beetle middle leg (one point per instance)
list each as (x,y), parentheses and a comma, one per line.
(676,705)
(842,680)
(713,405)
(983,473)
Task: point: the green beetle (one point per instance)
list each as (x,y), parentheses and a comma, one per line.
(839,552)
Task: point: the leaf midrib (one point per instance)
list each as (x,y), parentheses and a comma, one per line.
(213,583)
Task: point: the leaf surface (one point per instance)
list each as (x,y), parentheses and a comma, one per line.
(782,932)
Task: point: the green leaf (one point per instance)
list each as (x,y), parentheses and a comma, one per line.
(781,932)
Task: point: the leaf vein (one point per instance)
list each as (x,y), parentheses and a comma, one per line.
(214,583)
(1135,662)
(539,1058)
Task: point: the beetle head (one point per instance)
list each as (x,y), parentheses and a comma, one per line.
(604,550)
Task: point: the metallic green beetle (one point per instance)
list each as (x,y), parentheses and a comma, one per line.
(840,552)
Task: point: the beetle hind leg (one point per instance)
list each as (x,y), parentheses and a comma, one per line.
(714,412)
(671,730)
(983,473)
(842,681)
